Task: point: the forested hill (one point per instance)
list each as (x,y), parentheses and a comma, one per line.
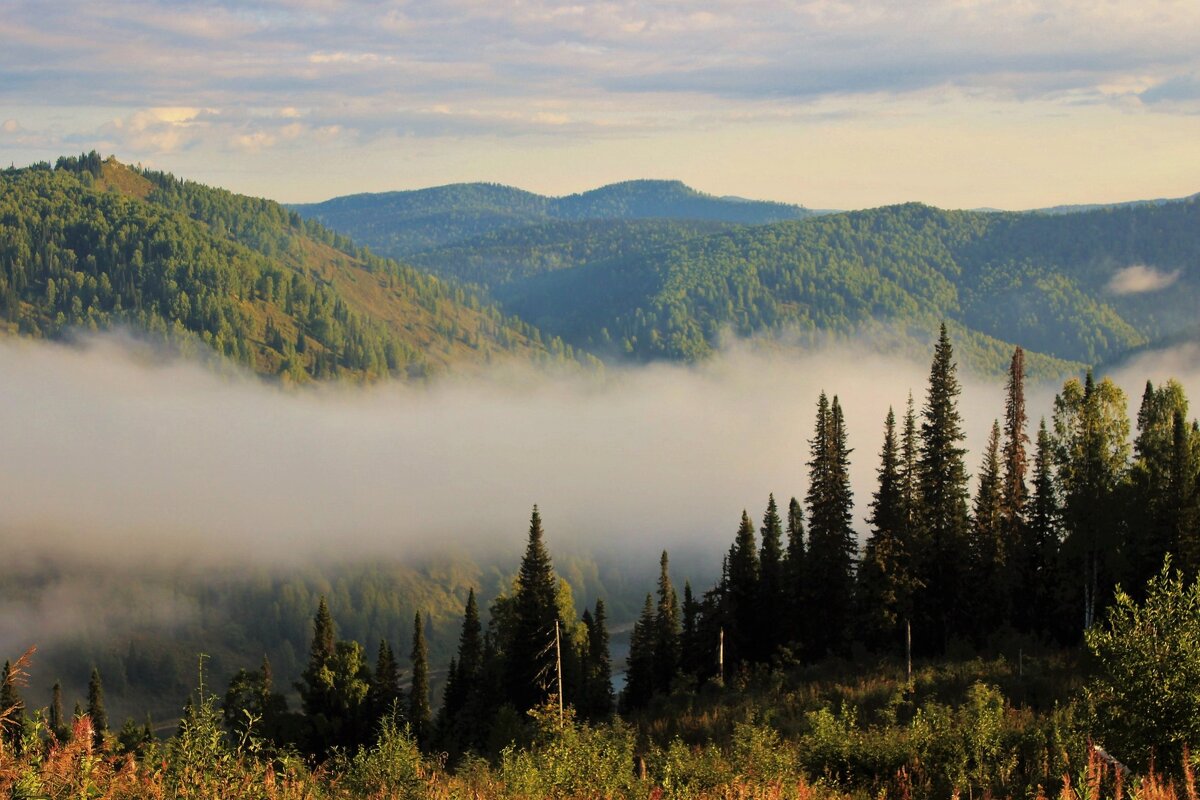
(401,224)
(91,244)
(1082,287)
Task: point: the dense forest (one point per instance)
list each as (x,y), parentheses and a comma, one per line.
(785,678)
(88,244)
(671,288)
(1036,280)
(401,224)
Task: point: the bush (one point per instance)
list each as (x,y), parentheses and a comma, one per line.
(1146,693)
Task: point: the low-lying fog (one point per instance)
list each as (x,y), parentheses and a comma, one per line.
(118,453)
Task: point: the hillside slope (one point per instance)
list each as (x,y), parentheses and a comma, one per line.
(1048,283)
(93,244)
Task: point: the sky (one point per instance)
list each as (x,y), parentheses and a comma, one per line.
(827,103)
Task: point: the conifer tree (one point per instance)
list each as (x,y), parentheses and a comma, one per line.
(460,713)
(988,544)
(529,658)
(385,695)
(1152,507)
(316,684)
(942,482)
(666,630)
(1038,552)
(419,714)
(598,691)
(832,546)
(1014,491)
(884,593)
(771,605)
(795,608)
(690,644)
(741,593)
(639,670)
(95,707)
(1185,494)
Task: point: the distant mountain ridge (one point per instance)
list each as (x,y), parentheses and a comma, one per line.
(400,224)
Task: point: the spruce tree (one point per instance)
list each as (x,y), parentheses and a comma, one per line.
(741,594)
(884,593)
(385,695)
(666,630)
(942,482)
(1038,553)
(692,650)
(598,692)
(795,607)
(771,584)
(460,713)
(95,707)
(639,669)
(1153,505)
(419,714)
(832,546)
(989,545)
(529,657)
(316,682)
(1184,485)
(1014,491)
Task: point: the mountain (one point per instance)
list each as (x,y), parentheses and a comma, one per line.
(651,269)
(1046,282)
(92,244)
(400,224)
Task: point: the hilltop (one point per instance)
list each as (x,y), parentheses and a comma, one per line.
(90,244)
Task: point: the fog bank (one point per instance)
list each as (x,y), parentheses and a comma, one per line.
(111,454)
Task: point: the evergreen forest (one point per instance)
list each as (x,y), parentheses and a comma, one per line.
(1031,635)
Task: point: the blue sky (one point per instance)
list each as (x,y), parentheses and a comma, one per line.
(963,103)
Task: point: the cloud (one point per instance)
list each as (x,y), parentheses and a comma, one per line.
(1139,279)
(593,57)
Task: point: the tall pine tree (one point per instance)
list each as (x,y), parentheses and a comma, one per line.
(989,546)
(741,594)
(771,602)
(944,519)
(666,630)
(832,546)
(419,714)
(1038,553)
(639,668)
(795,571)
(884,594)
(598,692)
(529,657)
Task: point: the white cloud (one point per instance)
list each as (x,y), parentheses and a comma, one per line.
(1139,279)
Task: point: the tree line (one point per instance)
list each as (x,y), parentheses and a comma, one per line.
(1053,525)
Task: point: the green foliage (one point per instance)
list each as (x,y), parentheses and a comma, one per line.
(245,277)
(393,767)
(492,219)
(570,760)
(1146,692)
